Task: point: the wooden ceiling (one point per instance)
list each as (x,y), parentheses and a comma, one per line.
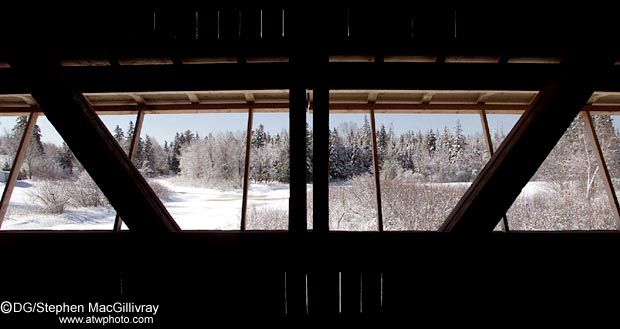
(341,101)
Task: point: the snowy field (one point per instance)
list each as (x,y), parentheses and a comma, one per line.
(193,208)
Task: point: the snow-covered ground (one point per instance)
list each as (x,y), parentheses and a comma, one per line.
(193,208)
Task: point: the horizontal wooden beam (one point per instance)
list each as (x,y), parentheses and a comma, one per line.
(262,76)
(333,107)
(284,107)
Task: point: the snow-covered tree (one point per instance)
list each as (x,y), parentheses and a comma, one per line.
(65,159)
(35,149)
(259,137)
(119,136)
(309,154)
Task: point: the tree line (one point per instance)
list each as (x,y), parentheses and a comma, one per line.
(447,155)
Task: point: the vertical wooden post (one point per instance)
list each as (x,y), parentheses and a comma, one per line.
(596,145)
(246,169)
(17,164)
(320,155)
(297,122)
(371,292)
(487,136)
(350,293)
(375,160)
(137,130)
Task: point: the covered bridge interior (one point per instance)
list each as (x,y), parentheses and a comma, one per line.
(549,65)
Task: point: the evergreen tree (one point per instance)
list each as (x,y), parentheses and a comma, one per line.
(35,149)
(337,157)
(431,143)
(259,137)
(382,144)
(65,159)
(148,162)
(138,156)
(281,165)
(458,143)
(175,155)
(189,136)
(130,131)
(119,135)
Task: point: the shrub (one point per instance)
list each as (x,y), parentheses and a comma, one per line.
(45,168)
(161,190)
(85,193)
(267,218)
(52,195)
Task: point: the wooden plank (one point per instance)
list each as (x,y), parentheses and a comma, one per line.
(17,164)
(296,306)
(487,137)
(297,131)
(246,169)
(527,145)
(201,77)
(371,293)
(334,107)
(323,296)
(92,143)
(193,98)
(420,292)
(137,131)
(320,155)
(375,161)
(600,158)
(350,293)
(284,107)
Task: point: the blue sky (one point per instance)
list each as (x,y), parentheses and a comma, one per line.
(164,126)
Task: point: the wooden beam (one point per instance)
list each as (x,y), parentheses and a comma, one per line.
(135,138)
(600,158)
(487,137)
(92,143)
(22,149)
(28,100)
(193,98)
(249,97)
(138,99)
(375,162)
(320,156)
(596,97)
(372,96)
(387,76)
(297,131)
(334,108)
(371,293)
(426,99)
(350,293)
(284,107)
(527,145)
(484,97)
(246,169)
